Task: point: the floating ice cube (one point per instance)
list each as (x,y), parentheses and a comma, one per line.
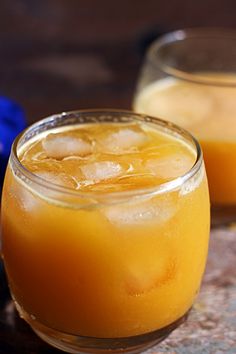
(24,198)
(124,139)
(48,176)
(146,273)
(170,166)
(157,210)
(59,146)
(29,195)
(56,178)
(28,200)
(99,171)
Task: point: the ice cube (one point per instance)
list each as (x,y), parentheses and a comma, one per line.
(99,171)
(157,210)
(59,146)
(148,273)
(60,179)
(124,140)
(28,196)
(171,166)
(23,196)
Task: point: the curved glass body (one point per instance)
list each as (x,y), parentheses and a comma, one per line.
(96,270)
(189,77)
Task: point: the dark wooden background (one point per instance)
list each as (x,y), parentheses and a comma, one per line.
(58,55)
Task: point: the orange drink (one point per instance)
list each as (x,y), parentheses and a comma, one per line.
(189,78)
(105,221)
(203,110)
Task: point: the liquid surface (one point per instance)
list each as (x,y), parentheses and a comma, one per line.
(209,112)
(110,158)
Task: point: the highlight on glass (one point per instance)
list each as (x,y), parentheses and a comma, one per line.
(105,227)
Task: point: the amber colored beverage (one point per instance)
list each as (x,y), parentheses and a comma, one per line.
(105,229)
(207,108)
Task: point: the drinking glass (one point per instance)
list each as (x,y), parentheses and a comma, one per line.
(102,271)
(189,77)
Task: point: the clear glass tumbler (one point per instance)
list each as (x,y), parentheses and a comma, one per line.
(97,269)
(189,77)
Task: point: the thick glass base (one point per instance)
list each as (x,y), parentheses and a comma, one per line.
(80,344)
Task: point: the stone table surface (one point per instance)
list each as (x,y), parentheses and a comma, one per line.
(210,328)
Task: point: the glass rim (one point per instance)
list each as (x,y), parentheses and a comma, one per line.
(184,34)
(165,187)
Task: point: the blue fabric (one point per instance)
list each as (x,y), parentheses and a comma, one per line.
(12,122)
